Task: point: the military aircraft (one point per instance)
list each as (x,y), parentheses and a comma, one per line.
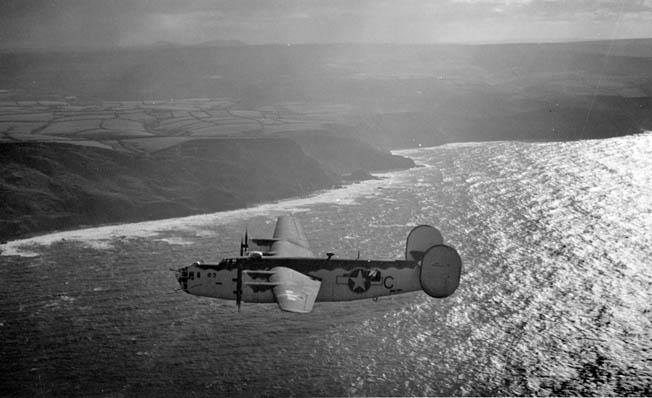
(284,270)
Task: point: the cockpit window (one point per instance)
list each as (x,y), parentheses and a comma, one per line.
(229,263)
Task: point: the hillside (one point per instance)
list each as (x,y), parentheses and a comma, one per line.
(53,186)
(58,186)
(126,134)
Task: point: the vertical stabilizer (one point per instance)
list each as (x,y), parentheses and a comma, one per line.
(419,240)
(441,267)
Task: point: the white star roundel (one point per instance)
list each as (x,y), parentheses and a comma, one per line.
(359,281)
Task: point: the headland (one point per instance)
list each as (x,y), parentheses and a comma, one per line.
(130,134)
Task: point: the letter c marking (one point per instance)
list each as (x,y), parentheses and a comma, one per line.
(389,279)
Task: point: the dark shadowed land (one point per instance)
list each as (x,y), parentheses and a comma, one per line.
(92,137)
(52,186)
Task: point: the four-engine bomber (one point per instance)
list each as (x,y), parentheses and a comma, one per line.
(284,270)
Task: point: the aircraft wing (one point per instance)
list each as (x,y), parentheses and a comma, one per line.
(263,244)
(289,229)
(288,240)
(294,291)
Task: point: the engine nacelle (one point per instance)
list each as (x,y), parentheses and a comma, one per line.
(441,268)
(256,255)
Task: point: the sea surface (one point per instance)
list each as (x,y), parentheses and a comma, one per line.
(555,296)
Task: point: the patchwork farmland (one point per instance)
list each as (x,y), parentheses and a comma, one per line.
(150,126)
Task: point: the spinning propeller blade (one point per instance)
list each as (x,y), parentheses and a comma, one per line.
(244,243)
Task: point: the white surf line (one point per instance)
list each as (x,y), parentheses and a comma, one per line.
(98,237)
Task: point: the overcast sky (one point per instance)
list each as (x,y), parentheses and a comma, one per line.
(94,23)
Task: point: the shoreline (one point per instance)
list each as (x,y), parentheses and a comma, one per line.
(59,186)
(258,207)
(93,235)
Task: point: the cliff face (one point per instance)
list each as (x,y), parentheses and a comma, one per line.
(53,186)
(58,186)
(344,155)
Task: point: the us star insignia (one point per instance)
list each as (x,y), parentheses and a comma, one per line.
(359,280)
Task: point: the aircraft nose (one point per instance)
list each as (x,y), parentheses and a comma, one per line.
(182,278)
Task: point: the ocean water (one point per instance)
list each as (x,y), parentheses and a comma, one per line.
(555,296)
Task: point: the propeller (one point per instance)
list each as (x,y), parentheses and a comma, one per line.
(244,243)
(238,286)
(244,248)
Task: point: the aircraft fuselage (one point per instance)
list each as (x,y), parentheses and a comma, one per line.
(284,270)
(341,280)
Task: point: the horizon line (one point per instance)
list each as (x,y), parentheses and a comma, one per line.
(233,43)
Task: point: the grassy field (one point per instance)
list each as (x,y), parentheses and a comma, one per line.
(151,126)
(388,95)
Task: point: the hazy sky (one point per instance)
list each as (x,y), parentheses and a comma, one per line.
(44,23)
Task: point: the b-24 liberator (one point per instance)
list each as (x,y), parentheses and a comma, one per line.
(284,270)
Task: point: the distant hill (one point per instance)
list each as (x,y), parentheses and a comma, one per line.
(181,129)
(210,43)
(442,92)
(222,43)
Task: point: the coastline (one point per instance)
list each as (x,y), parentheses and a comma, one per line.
(54,187)
(106,145)
(100,235)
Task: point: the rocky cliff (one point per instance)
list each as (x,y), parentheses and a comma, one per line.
(52,186)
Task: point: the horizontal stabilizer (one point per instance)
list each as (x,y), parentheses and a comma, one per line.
(294,291)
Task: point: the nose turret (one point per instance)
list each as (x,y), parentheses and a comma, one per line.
(182,277)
